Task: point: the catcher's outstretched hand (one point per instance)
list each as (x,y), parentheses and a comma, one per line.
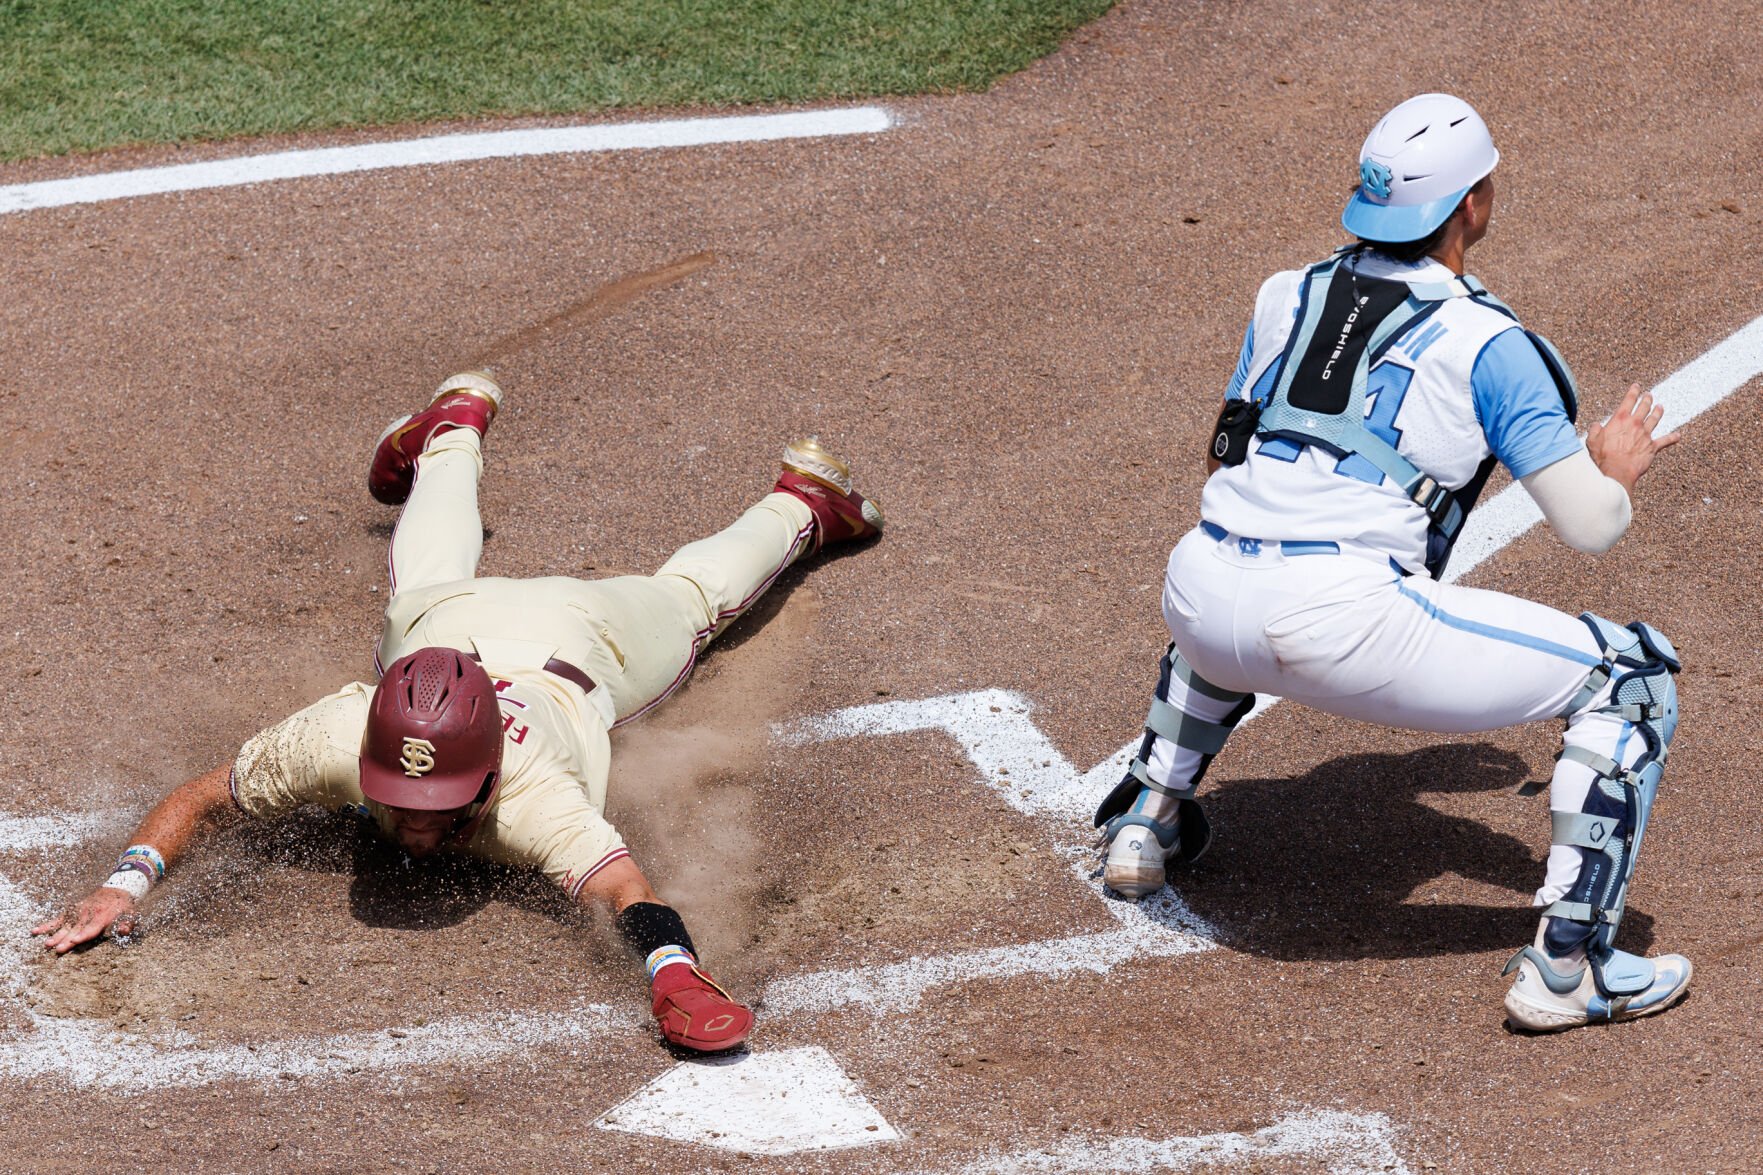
(1624,445)
(105,910)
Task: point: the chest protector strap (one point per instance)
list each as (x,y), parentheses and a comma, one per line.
(1551,357)
(1345,324)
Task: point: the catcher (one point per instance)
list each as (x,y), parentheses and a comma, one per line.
(488,729)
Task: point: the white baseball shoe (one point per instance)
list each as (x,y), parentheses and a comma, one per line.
(1552,994)
(1137,851)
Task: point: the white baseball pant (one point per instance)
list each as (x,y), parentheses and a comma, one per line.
(1349,635)
(638,636)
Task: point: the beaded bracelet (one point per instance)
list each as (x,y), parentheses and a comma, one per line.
(137,870)
(149,855)
(662,956)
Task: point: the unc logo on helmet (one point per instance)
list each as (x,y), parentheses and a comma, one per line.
(418,758)
(1375,178)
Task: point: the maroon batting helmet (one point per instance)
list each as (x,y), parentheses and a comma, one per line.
(434,734)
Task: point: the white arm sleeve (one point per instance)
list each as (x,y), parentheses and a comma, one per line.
(1586,509)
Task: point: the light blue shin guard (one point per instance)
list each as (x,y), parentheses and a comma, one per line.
(1608,830)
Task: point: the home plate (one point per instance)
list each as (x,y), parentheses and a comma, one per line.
(761,1103)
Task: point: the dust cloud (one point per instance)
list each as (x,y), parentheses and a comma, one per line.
(682,788)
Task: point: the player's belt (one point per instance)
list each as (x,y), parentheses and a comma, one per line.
(1285,547)
(561,669)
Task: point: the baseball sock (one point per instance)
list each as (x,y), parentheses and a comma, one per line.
(1175,766)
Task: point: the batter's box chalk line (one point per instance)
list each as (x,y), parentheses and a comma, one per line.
(993,727)
(1347,1144)
(768,1103)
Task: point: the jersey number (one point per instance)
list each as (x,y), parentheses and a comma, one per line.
(1385,389)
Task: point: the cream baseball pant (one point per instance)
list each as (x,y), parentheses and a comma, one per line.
(1348,635)
(637,636)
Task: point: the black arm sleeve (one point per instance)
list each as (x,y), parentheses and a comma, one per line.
(649,925)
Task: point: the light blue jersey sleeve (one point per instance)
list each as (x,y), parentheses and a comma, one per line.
(1519,406)
(1241,374)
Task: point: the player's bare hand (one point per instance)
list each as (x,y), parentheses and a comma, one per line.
(105,910)
(1624,445)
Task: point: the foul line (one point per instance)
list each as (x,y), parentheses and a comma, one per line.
(1684,394)
(282,165)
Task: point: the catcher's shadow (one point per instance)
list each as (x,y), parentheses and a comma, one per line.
(1327,865)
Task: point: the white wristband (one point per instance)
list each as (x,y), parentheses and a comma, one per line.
(666,955)
(131,881)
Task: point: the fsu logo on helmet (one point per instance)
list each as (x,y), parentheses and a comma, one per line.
(1375,178)
(418,758)
(434,733)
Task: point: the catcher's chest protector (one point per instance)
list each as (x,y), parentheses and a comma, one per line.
(1345,324)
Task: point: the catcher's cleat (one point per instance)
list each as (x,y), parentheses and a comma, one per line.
(823,482)
(467,400)
(1136,851)
(694,1013)
(1552,994)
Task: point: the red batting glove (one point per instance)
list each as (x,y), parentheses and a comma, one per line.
(694,1013)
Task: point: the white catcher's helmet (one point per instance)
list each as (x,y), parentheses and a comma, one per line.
(1417,163)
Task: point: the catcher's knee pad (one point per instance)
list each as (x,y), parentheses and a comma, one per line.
(1638,665)
(1200,737)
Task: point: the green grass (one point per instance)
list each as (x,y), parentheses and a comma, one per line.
(79,75)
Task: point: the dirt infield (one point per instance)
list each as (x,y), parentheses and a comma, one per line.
(1014,312)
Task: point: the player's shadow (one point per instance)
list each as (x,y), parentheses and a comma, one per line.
(1336,864)
(391,890)
(388,889)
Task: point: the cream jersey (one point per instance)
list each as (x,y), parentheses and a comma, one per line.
(1461,385)
(546,811)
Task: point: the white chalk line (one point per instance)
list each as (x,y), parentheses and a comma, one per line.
(1015,759)
(1684,394)
(461,148)
(991,726)
(1349,1144)
(24,833)
(1159,927)
(91,1053)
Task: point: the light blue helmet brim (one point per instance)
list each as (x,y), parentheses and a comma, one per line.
(1396,223)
